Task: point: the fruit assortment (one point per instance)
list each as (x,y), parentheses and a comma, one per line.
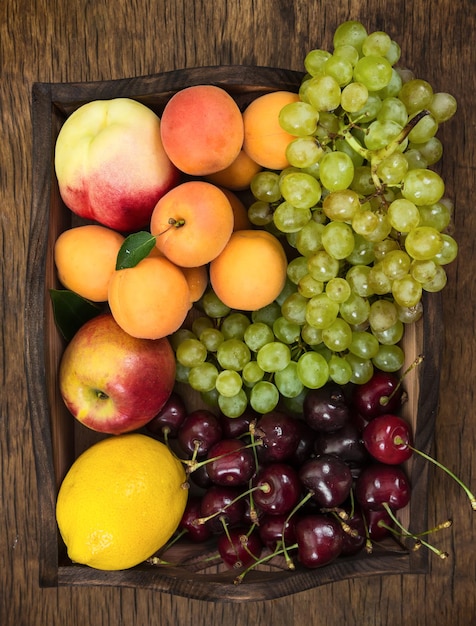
(280,251)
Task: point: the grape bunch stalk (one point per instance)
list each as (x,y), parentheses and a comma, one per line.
(365,220)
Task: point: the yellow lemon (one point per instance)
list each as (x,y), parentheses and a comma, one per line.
(121,501)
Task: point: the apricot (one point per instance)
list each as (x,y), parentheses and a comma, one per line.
(265,141)
(197,279)
(250,272)
(85,259)
(238,175)
(192,223)
(150,300)
(202,129)
(240,212)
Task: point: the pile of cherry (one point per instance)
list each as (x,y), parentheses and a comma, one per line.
(312,488)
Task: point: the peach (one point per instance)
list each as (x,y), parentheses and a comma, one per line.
(202,129)
(251,271)
(265,141)
(150,300)
(238,175)
(111,165)
(192,223)
(85,259)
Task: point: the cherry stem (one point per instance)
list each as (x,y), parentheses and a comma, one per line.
(289,561)
(193,465)
(472,498)
(386,399)
(261,561)
(265,488)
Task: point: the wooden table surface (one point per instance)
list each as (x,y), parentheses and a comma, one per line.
(77,40)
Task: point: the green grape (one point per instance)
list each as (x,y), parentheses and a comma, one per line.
(369,111)
(382,315)
(308,239)
(199,324)
(338,336)
(362,181)
(379,281)
(436,215)
(431,150)
(228,383)
(338,289)
(180,335)
(336,170)
(364,344)
(233,354)
(365,222)
(382,248)
(210,398)
(309,286)
(297,268)
(289,218)
(362,369)
(403,215)
(181,373)
(260,213)
(202,377)
(304,152)
(438,282)
(351,32)
(322,266)
(396,264)
(392,89)
(311,335)
(409,315)
(363,252)
(376,43)
(233,326)
(191,352)
(347,52)
(340,69)
(252,373)
(293,308)
(285,331)
(342,205)
(211,338)
(357,278)
(394,110)
(287,381)
(415,159)
(302,190)
(392,169)
(295,405)
(407,291)
(213,306)
(423,271)
(389,358)
(265,186)
(257,335)
(382,229)
(342,145)
(313,370)
(323,92)
(390,336)
(448,252)
(234,406)
(267,314)
(355,310)
(315,60)
(299,118)
(423,242)
(264,396)
(287,290)
(381,133)
(329,126)
(374,71)
(354,97)
(416,95)
(423,130)
(340,370)
(338,240)
(442,106)
(321,311)
(393,53)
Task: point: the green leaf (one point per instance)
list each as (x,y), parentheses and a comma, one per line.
(71,311)
(135,248)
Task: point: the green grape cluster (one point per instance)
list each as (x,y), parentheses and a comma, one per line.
(367,224)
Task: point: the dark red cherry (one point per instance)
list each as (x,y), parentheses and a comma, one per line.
(373,519)
(196,532)
(319,540)
(381,394)
(234,427)
(326,409)
(222,505)
(170,418)
(329,478)
(379,483)
(199,431)
(200,477)
(239,548)
(230,463)
(279,488)
(279,433)
(305,447)
(346,443)
(353,533)
(387,438)
(275,528)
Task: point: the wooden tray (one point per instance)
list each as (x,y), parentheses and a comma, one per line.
(58,438)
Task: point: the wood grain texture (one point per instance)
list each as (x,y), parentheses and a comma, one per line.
(79,40)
